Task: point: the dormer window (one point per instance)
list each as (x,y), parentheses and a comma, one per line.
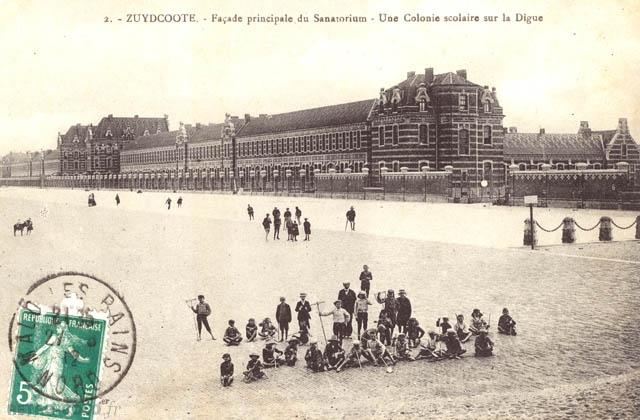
(146,133)
(108,133)
(486,106)
(76,139)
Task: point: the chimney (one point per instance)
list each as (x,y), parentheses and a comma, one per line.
(198,126)
(542,131)
(513,130)
(262,116)
(462,73)
(584,128)
(428,75)
(247,118)
(110,116)
(135,116)
(623,128)
(411,74)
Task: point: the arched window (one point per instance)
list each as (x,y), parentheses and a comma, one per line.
(381,136)
(463,142)
(623,150)
(560,166)
(486,106)
(423,134)
(597,166)
(486,135)
(395,135)
(396,166)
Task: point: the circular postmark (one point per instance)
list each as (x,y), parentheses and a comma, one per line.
(73,338)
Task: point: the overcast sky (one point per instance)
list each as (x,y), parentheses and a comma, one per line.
(61,64)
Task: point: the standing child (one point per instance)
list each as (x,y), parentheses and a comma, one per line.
(251,330)
(307,229)
(232,336)
(296,231)
(362,312)
(250,211)
(179,201)
(254,369)
(266,224)
(226,370)
(365,279)
(202,311)
(283,318)
(298,214)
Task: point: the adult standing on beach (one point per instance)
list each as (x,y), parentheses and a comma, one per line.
(365,279)
(307,229)
(303,308)
(168,203)
(117,200)
(276,223)
(283,318)
(298,214)
(348,299)
(351,218)
(250,211)
(404,311)
(266,224)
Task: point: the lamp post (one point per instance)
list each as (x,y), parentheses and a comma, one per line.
(275,181)
(263,174)
(383,171)
(316,171)
(221,180)
(288,175)
(229,133)
(332,173)
(41,168)
(347,171)
(241,175)
(302,173)
(365,172)
(181,139)
(252,175)
(425,169)
(30,157)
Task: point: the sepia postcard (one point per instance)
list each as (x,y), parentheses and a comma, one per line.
(320,210)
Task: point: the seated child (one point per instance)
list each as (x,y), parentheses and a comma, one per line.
(454,347)
(254,369)
(506,324)
(267,329)
(444,324)
(226,370)
(379,352)
(291,352)
(484,345)
(414,332)
(477,322)
(461,329)
(352,358)
(402,348)
(271,356)
(251,330)
(430,349)
(314,358)
(333,353)
(232,336)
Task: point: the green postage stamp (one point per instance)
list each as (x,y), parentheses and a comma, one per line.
(57,365)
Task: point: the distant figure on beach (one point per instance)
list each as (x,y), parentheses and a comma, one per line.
(117,200)
(287,215)
(295,231)
(506,324)
(351,218)
(179,201)
(250,212)
(266,224)
(276,223)
(307,229)
(365,279)
(91,200)
(298,214)
(168,203)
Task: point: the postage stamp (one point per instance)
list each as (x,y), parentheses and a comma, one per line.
(73,339)
(58,360)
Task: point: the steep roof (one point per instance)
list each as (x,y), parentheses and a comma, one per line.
(552,146)
(73,131)
(349,113)
(196,134)
(136,126)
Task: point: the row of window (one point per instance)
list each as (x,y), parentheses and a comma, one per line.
(463,103)
(107,163)
(423,137)
(344,141)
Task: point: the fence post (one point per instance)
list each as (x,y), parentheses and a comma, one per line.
(605,229)
(568,230)
(383,171)
(365,171)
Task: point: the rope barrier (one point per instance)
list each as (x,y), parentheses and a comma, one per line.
(586,230)
(546,230)
(620,227)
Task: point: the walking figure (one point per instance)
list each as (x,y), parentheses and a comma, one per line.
(276,223)
(266,224)
(168,203)
(117,200)
(202,311)
(351,218)
(307,229)
(250,211)
(179,201)
(298,214)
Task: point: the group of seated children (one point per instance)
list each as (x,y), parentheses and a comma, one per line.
(265,330)
(373,346)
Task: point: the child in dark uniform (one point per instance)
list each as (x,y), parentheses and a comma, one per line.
(307,229)
(291,352)
(251,330)
(444,324)
(254,369)
(226,370)
(232,336)
(506,324)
